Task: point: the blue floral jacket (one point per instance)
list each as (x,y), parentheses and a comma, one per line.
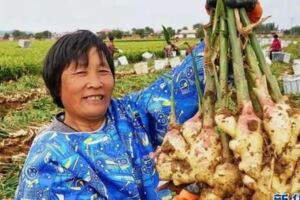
(112,162)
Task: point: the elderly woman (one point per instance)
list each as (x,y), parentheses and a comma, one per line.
(99,147)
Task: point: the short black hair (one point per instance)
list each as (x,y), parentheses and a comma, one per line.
(275,36)
(71,47)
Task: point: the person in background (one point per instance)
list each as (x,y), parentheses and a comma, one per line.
(175,49)
(275,46)
(176,45)
(111,46)
(170,48)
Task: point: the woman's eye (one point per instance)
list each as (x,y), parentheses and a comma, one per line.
(104,71)
(80,72)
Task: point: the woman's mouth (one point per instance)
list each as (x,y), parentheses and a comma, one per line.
(94,98)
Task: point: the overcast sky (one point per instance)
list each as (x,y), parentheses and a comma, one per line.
(69,15)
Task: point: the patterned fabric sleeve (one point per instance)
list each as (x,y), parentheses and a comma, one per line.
(154,102)
(51,171)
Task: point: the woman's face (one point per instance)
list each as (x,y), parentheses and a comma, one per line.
(86,90)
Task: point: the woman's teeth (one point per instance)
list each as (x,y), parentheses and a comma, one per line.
(98,97)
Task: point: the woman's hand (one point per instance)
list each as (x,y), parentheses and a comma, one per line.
(154,155)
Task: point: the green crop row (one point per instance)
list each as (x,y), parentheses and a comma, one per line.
(24,84)
(16,62)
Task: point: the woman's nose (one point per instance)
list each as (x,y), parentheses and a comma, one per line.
(94,80)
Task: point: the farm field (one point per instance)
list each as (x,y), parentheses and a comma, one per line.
(15,61)
(25,105)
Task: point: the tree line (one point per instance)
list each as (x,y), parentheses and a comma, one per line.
(17,34)
(117,33)
(270,28)
(267,28)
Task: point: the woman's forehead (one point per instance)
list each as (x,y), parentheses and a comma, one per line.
(84,58)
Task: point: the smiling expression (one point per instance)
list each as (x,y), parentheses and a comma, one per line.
(86,88)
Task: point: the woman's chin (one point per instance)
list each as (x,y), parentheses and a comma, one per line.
(94,112)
